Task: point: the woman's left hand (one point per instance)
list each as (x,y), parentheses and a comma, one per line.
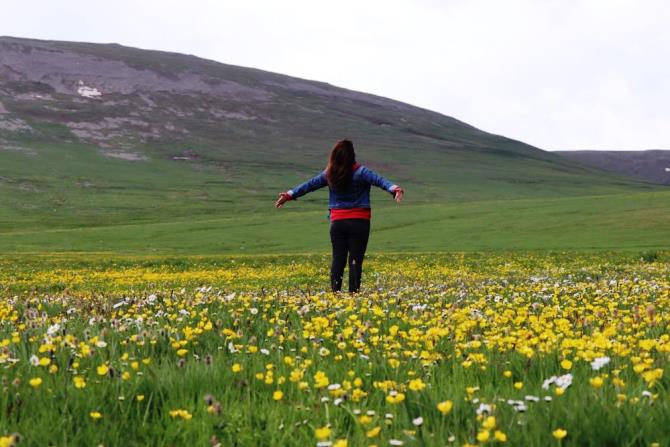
(398,194)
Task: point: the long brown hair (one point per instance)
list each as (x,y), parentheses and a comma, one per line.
(342,158)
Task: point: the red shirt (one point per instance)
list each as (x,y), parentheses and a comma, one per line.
(350,213)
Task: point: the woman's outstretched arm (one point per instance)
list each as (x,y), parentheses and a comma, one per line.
(375,179)
(316,182)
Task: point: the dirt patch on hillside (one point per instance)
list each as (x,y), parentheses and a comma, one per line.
(123,155)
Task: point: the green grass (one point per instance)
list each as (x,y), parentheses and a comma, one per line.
(454,321)
(623,221)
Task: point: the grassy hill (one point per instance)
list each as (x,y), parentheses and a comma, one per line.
(109,148)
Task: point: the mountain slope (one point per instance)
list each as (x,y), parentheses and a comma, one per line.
(96,135)
(651,166)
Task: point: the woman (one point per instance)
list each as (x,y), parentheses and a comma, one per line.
(349,205)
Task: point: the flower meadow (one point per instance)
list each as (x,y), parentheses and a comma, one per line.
(520,349)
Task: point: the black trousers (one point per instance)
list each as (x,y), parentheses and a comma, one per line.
(349,238)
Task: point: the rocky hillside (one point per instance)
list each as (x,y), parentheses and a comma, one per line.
(651,166)
(119,99)
(122,100)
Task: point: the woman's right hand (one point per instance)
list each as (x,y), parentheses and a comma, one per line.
(283,198)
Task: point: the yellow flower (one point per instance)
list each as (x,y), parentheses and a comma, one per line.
(322,433)
(95,415)
(489,423)
(102,370)
(185,415)
(321,380)
(559,391)
(445,407)
(45,361)
(373,433)
(79,382)
(559,433)
(416,385)
(236,368)
(139,397)
(182,352)
(518,385)
(36,382)
(566,364)
(364,419)
(395,398)
(278,395)
(507,373)
(596,382)
(340,443)
(483,436)
(500,436)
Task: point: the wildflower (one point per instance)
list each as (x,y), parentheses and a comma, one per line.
(445,406)
(139,397)
(236,368)
(500,436)
(183,414)
(489,423)
(278,395)
(182,352)
(596,382)
(321,380)
(95,415)
(566,364)
(373,433)
(483,408)
(79,382)
(102,370)
(340,443)
(364,419)
(53,330)
(395,398)
(417,421)
(599,362)
(483,436)
(563,381)
(518,385)
(416,385)
(322,433)
(36,382)
(559,433)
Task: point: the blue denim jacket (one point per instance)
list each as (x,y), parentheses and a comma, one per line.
(357,195)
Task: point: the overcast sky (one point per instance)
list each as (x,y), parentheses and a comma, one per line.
(558,74)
